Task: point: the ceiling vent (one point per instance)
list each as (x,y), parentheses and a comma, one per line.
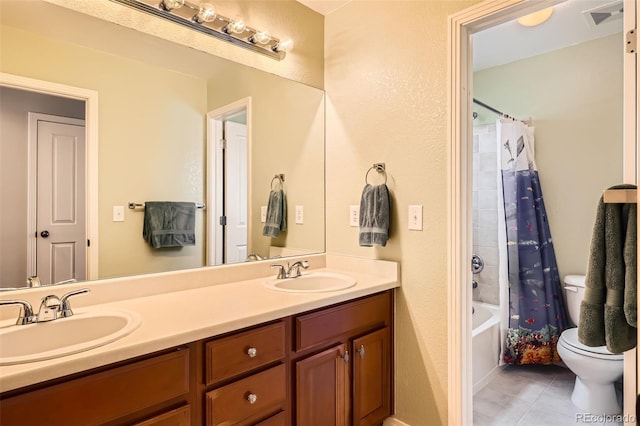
(602,14)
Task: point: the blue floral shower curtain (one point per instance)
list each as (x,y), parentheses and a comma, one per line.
(537,313)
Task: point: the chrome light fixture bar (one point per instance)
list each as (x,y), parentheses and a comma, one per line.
(203,18)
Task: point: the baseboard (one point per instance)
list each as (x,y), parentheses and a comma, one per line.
(392,421)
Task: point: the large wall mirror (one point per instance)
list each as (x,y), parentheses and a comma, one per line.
(161,110)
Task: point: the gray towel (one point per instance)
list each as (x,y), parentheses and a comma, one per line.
(276,221)
(608,310)
(374,216)
(169,224)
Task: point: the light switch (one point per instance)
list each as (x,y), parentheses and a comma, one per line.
(299,215)
(118,213)
(354,215)
(263,214)
(415,218)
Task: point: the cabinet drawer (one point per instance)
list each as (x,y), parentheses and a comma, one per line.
(350,318)
(102,397)
(178,417)
(245,351)
(230,404)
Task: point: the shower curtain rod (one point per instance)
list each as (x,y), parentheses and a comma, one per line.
(492,109)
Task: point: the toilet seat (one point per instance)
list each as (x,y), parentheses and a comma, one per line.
(569,339)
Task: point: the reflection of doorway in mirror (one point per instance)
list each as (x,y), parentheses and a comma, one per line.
(56,251)
(228,224)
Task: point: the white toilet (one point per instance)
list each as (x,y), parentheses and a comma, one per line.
(596,368)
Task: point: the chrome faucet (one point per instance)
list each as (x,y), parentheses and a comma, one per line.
(52,307)
(65,306)
(292,271)
(26,311)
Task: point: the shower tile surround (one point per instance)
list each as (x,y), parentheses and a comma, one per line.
(485,212)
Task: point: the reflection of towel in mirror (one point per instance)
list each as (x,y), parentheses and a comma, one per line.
(608,309)
(169,224)
(276,220)
(374,216)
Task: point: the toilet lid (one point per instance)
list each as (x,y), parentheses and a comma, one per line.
(570,338)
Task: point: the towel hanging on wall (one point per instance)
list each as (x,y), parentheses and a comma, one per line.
(276,220)
(608,309)
(375,211)
(169,224)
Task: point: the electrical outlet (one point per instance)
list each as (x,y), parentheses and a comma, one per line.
(118,213)
(415,218)
(263,214)
(354,215)
(299,215)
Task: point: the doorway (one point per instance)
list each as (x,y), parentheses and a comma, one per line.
(228,219)
(461,26)
(23,260)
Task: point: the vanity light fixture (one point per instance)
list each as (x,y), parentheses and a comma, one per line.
(203,17)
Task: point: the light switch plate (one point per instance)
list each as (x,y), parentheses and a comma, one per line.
(415,218)
(299,215)
(118,213)
(354,215)
(263,214)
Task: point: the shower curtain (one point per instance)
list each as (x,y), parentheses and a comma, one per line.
(537,313)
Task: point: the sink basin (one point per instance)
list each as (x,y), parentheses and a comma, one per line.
(313,282)
(65,336)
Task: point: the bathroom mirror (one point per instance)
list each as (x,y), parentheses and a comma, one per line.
(156,140)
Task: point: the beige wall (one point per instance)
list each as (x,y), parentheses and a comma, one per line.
(151,141)
(386,83)
(14,126)
(288,139)
(574,97)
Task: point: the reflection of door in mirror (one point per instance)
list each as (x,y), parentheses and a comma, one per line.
(228,219)
(42,161)
(60,235)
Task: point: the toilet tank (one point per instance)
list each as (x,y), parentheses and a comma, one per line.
(574,292)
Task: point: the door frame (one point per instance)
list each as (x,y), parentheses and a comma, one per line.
(215,192)
(459,195)
(90,98)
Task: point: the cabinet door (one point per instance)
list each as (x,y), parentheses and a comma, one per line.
(371,378)
(322,388)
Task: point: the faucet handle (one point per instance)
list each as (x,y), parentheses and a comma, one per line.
(65,306)
(26,312)
(49,308)
(282,272)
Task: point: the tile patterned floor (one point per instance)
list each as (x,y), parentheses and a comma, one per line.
(530,396)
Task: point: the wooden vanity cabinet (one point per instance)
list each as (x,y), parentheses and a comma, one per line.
(342,367)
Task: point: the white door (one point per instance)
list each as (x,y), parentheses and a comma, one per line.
(60,218)
(235,192)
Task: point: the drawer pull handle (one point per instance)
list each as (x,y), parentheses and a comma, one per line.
(361,351)
(252,398)
(252,352)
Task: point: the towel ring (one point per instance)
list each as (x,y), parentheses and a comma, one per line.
(279,178)
(378,167)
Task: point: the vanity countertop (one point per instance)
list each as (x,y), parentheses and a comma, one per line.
(179,317)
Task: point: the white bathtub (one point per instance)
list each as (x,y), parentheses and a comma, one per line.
(485,343)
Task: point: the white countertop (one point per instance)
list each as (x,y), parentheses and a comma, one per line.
(178,317)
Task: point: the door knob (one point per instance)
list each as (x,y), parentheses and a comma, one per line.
(44,234)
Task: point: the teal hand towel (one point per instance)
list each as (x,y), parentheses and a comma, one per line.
(169,224)
(375,216)
(276,220)
(608,309)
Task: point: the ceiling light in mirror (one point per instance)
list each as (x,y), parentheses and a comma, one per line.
(536,18)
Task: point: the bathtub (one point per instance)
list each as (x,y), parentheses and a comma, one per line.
(485,343)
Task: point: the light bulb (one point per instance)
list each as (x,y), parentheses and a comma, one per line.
(284,46)
(261,37)
(237,26)
(206,13)
(169,5)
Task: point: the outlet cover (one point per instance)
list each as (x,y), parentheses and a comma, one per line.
(118,213)
(354,215)
(299,215)
(263,214)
